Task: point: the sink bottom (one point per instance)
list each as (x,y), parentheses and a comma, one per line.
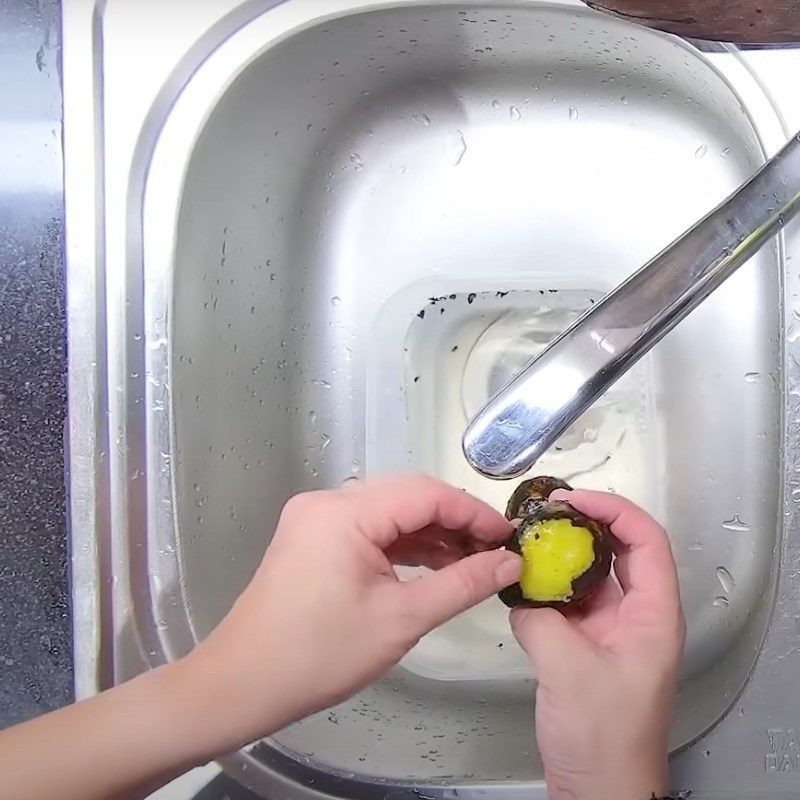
(431,367)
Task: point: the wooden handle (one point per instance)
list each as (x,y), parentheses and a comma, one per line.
(739,21)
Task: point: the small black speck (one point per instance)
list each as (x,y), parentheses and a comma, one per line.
(591,300)
(421,314)
(536,536)
(541,291)
(451,297)
(441,310)
(454,348)
(471,297)
(553,291)
(500,294)
(500,644)
(416,379)
(333,718)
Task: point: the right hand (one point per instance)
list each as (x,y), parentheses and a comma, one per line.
(608,672)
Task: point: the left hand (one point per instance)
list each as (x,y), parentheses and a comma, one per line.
(325,614)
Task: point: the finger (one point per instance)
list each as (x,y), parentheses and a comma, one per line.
(391,507)
(629,523)
(644,561)
(433,541)
(419,551)
(549,638)
(440,596)
(598,615)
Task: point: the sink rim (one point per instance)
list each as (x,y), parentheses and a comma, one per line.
(146,159)
(154,364)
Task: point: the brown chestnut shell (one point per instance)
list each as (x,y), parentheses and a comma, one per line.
(531,493)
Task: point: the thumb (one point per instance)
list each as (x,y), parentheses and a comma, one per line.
(548,637)
(438,597)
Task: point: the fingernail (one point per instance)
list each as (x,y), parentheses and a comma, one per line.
(507,572)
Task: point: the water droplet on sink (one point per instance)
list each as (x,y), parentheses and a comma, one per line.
(701,151)
(326,440)
(515,115)
(735,524)
(336,301)
(495,104)
(312,415)
(573,113)
(355,160)
(459,149)
(752,377)
(323,384)
(726,580)
(725,152)
(721,602)
(796,495)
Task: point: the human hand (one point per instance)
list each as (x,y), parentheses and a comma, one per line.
(607,672)
(325,614)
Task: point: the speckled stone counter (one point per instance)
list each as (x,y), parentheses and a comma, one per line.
(35,641)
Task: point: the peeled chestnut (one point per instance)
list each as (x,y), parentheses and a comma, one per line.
(566,556)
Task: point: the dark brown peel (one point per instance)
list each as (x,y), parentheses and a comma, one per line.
(529,494)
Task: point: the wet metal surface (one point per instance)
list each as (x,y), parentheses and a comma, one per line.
(325,234)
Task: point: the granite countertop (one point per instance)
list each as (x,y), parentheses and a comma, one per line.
(35,640)
(35,619)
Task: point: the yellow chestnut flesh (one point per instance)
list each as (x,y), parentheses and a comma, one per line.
(555,553)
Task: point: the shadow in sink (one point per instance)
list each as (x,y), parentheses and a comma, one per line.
(360,167)
(224,787)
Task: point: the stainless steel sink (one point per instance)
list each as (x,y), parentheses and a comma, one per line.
(307,240)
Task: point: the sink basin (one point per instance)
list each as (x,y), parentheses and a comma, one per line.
(327,236)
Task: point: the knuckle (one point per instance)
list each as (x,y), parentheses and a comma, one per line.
(422,482)
(303,505)
(294,506)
